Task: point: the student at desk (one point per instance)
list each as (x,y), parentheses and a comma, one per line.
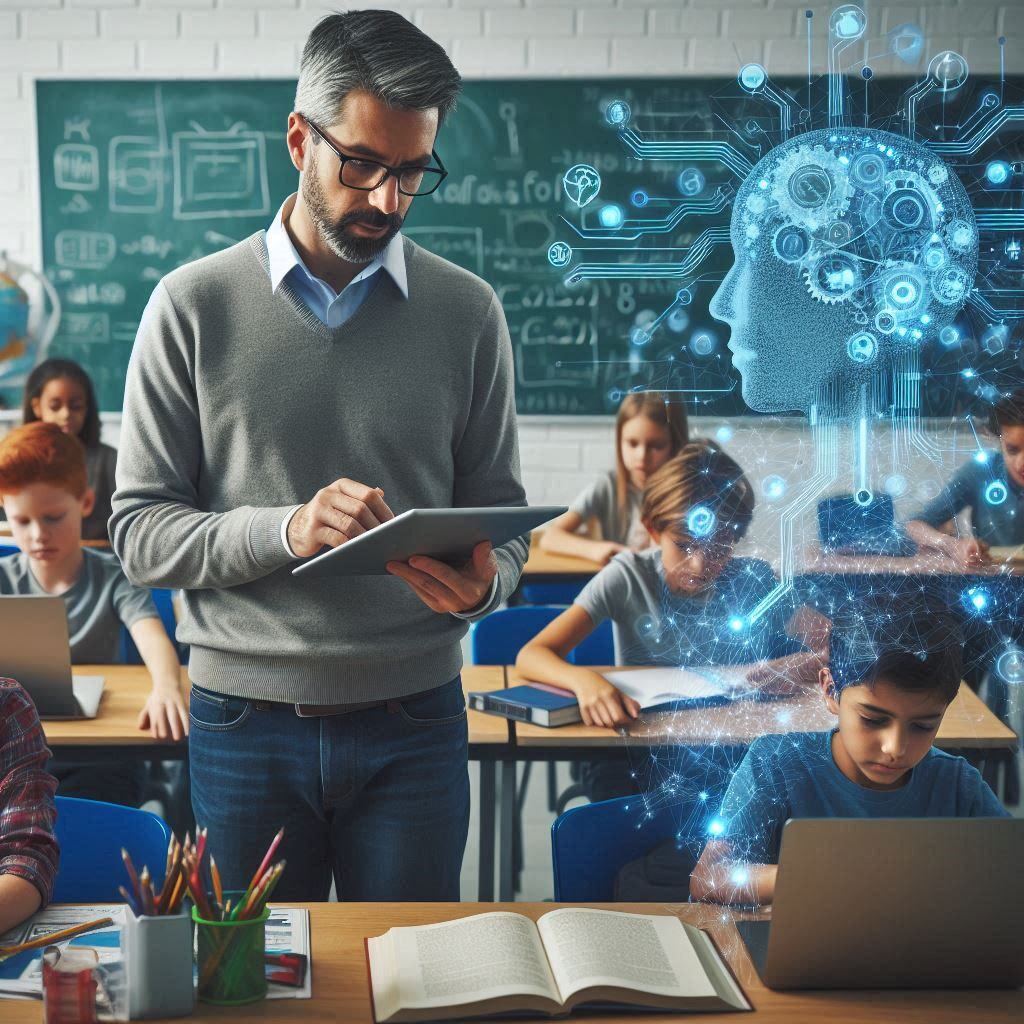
(648,432)
(28,847)
(683,601)
(993,489)
(45,494)
(891,677)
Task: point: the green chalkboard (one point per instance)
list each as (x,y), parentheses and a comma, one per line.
(138,177)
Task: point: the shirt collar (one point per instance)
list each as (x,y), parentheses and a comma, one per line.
(284,257)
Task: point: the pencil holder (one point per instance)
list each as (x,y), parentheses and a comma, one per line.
(230,958)
(158,962)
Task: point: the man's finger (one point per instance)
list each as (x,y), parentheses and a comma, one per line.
(347,515)
(423,584)
(451,579)
(372,497)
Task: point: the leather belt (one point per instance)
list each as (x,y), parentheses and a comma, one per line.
(326,710)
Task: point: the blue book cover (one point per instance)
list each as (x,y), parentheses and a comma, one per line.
(535,704)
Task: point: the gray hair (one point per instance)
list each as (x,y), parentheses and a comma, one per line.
(379,52)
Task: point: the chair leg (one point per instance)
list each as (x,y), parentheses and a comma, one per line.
(552,785)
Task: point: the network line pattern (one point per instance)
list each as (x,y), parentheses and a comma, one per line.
(870,275)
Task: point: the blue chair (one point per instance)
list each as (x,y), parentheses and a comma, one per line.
(590,843)
(128,653)
(91,834)
(498,638)
(9,549)
(551,593)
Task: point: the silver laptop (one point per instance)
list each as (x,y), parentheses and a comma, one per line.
(35,650)
(895,903)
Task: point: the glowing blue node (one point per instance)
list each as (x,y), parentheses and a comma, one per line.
(581,184)
(996,492)
(1010,666)
(885,322)
(907,43)
(791,243)
(862,347)
(997,172)
(678,320)
(723,435)
(700,522)
(863,497)
(896,485)
(934,257)
(995,339)
(783,717)
(948,70)
(949,336)
(717,827)
(976,599)
(610,216)
(773,487)
(639,198)
(981,457)
(740,876)
(737,624)
(703,795)
(848,22)
(752,77)
(617,113)
(702,343)
(559,254)
(639,337)
(646,626)
(691,181)
(615,396)
(684,296)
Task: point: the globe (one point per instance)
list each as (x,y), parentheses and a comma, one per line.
(29,314)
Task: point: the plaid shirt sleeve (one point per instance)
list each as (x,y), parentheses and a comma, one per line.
(28,846)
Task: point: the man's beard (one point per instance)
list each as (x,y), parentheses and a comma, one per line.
(345,245)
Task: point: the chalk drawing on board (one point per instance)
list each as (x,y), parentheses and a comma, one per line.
(76,204)
(136,175)
(464,246)
(77,125)
(220,174)
(76,167)
(84,250)
(92,328)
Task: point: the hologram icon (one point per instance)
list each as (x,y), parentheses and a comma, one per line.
(581,183)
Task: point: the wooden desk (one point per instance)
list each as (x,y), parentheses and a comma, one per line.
(114,735)
(542,565)
(341,987)
(968,725)
(924,563)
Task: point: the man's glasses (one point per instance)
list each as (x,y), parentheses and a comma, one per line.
(366,175)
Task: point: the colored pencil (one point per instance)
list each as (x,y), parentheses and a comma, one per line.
(65,933)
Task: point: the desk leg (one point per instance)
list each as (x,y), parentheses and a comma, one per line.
(506,834)
(488,799)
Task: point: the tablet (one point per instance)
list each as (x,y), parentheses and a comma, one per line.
(447,534)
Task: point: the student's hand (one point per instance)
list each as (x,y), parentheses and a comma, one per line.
(605,551)
(337,513)
(164,713)
(775,680)
(445,588)
(602,704)
(969,553)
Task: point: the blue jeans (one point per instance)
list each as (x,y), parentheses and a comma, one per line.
(377,799)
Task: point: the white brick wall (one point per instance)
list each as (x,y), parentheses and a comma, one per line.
(487,38)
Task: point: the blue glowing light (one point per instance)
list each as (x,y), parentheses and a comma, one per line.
(752,77)
(639,337)
(949,336)
(700,521)
(996,492)
(737,623)
(691,182)
(581,184)
(559,254)
(1010,666)
(639,198)
(617,113)
(740,876)
(684,296)
(773,487)
(723,435)
(976,599)
(981,457)
(997,172)
(717,827)
(703,795)
(610,215)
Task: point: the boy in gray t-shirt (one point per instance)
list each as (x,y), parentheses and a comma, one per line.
(44,490)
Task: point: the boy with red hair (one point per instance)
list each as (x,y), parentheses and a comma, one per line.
(45,494)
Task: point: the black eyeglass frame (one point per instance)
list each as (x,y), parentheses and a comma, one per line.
(389,171)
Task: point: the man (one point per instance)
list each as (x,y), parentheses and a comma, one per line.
(328,361)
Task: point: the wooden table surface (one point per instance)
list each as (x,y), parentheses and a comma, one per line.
(967,724)
(341,987)
(126,688)
(541,563)
(928,563)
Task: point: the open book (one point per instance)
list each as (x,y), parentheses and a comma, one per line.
(504,962)
(694,686)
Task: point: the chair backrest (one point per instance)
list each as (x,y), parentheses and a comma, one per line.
(557,592)
(498,638)
(590,843)
(90,834)
(164,601)
(8,549)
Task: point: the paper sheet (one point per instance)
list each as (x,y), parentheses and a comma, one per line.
(653,686)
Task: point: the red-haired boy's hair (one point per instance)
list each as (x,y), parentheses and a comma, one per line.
(41,453)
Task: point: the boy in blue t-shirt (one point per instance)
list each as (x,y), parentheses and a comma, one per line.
(891,677)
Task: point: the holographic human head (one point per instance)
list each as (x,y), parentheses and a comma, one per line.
(849,244)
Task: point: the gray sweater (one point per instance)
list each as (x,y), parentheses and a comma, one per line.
(240,404)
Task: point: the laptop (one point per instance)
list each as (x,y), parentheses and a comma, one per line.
(894,903)
(847,526)
(35,650)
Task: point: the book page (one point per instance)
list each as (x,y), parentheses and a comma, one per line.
(652,686)
(649,953)
(481,957)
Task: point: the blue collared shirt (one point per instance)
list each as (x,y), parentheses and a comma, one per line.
(330,307)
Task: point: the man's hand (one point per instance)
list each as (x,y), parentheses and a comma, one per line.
(337,513)
(444,588)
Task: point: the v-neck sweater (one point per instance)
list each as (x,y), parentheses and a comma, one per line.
(240,403)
